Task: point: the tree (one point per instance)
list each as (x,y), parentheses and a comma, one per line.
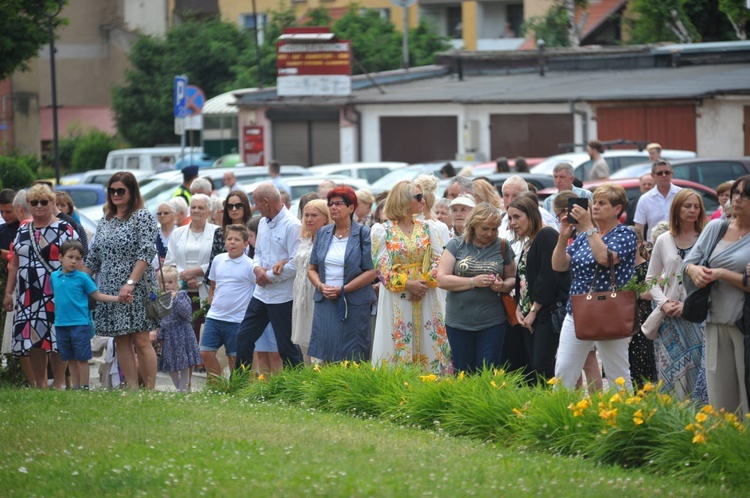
(738,15)
(552,27)
(24,29)
(17,172)
(205,51)
(91,150)
(661,20)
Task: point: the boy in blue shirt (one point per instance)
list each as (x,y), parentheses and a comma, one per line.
(72,289)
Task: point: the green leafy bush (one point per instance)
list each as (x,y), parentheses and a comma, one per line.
(17,172)
(91,150)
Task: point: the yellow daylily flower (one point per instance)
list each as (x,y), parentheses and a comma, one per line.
(699,438)
(620,381)
(701,417)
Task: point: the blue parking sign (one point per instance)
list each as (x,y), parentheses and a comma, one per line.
(180,95)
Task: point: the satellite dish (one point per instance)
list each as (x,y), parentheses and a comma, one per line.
(403,3)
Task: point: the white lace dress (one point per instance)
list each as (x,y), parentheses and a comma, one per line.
(303,305)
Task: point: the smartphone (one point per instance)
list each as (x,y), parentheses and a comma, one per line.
(580,201)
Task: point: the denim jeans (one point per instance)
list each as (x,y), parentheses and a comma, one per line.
(473,349)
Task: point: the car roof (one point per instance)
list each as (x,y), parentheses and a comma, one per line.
(85,186)
(634,182)
(640,169)
(340,166)
(578,158)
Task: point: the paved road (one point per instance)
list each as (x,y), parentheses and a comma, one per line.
(163,380)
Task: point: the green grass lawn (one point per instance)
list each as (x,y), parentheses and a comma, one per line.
(157,444)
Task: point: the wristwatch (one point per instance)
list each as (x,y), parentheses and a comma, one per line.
(591,232)
(130,281)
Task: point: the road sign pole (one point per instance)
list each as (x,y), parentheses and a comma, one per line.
(406,38)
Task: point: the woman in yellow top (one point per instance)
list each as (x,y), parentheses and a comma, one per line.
(411,325)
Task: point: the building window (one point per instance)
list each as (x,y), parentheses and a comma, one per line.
(385,13)
(514,15)
(455,26)
(247,21)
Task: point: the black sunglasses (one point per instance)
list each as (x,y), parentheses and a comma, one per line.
(419,197)
(117,191)
(232,207)
(663,173)
(35,202)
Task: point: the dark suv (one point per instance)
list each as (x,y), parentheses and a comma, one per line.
(708,171)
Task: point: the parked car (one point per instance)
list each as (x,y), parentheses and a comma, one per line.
(102,176)
(164,184)
(85,195)
(370,172)
(194,159)
(302,185)
(147,158)
(411,172)
(709,171)
(228,161)
(616,159)
(490,167)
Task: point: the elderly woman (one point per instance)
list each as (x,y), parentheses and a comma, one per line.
(442,213)
(727,269)
(600,234)
(363,214)
(410,326)
(315,216)
(679,343)
(166,216)
(124,247)
(189,250)
(35,256)
(181,211)
(429,184)
(542,292)
(723,192)
(342,272)
(475,269)
(461,208)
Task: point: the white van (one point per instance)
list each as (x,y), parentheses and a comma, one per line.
(147,158)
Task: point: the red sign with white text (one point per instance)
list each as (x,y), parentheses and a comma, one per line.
(301,59)
(252,146)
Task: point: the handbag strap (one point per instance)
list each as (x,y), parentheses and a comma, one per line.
(722,231)
(610,262)
(158,258)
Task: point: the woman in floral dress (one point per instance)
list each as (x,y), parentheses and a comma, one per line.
(411,325)
(122,253)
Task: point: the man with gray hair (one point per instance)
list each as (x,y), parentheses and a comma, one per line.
(276,244)
(200,186)
(324,187)
(457,186)
(563,177)
(512,188)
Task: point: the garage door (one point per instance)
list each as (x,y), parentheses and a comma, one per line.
(418,139)
(529,135)
(672,126)
(306,143)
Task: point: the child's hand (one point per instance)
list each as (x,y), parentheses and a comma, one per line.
(126,299)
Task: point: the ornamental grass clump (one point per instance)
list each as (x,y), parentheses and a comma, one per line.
(645,428)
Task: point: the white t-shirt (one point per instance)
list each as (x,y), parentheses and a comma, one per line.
(335,262)
(234,279)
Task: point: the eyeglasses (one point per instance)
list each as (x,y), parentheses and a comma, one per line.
(418,197)
(119,192)
(743,195)
(232,207)
(559,214)
(663,173)
(35,202)
(337,203)
(163,213)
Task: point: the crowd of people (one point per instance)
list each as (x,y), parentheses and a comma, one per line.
(471,280)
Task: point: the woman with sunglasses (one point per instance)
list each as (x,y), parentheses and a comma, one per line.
(411,326)
(342,272)
(35,257)
(124,247)
(728,271)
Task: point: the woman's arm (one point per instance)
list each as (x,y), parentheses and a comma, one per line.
(598,248)
(313,276)
(560,257)
(360,281)
(11,285)
(733,278)
(393,280)
(445,277)
(655,271)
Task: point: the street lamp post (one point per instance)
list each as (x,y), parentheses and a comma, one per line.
(55,137)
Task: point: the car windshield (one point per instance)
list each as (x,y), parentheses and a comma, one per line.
(545,167)
(634,171)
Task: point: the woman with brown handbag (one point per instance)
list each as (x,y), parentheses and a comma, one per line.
(602,242)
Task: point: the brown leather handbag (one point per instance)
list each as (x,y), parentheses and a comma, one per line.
(606,315)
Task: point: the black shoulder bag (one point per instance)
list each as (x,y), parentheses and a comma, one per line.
(695,307)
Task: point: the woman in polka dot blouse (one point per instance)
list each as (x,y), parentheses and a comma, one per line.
(600,231)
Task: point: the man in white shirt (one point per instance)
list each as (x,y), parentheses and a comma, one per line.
(274,171)
(276,244)
(563,177)
(512,188)
(653,206)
